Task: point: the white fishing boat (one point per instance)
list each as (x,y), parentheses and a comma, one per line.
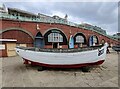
(63,58)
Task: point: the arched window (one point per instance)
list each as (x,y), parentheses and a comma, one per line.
(94,39)
(55,37)
(79,39)
(38,35)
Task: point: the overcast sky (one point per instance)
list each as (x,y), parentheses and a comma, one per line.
(102,14)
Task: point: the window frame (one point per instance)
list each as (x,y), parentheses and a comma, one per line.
(79,39)
(55,37)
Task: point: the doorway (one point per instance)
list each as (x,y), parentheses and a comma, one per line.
(39,40)
(55,45)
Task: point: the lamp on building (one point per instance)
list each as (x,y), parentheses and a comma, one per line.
(70,31)
(37,27)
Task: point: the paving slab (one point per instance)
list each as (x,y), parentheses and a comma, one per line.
(15,74)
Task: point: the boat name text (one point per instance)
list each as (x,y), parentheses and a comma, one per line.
(100,52)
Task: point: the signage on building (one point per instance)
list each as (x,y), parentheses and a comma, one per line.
(55,31)
(2,47)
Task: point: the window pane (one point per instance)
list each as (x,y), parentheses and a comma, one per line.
(48,38)
(94,39)
(79,39)
(55,37)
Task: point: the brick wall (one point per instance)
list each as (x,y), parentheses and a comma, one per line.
(44,27)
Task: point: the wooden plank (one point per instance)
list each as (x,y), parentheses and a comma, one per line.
(11,49)
(24,45)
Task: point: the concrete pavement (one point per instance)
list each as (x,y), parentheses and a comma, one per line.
(16,74)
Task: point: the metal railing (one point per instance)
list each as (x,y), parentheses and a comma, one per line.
(50,20)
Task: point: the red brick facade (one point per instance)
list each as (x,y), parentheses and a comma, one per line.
(11,29)
(3,53)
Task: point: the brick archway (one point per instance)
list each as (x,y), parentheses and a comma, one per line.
(21,36)
(81,34)
(56,29)
(50,38)
(18,29)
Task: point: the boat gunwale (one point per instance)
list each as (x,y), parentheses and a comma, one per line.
(60,50)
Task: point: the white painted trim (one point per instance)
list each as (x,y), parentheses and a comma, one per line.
(8,40)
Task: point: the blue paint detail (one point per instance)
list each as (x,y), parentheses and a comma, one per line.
(39,43)
(91,41)
(71,42)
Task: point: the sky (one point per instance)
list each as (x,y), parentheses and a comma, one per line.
(101,14)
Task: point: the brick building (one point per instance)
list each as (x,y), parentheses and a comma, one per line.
(43,31)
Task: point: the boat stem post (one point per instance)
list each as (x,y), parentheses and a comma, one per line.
(26,62)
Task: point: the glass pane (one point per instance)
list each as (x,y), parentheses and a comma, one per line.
(79,39)
(94,39)
(48,38)
(55,37)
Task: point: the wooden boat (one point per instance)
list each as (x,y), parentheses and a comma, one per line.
(63,58)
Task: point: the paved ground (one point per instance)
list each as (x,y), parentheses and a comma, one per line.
(16,74)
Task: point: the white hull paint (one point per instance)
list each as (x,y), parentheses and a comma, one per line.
(75,58)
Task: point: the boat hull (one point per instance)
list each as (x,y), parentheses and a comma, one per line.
(26,61)
(63,60)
